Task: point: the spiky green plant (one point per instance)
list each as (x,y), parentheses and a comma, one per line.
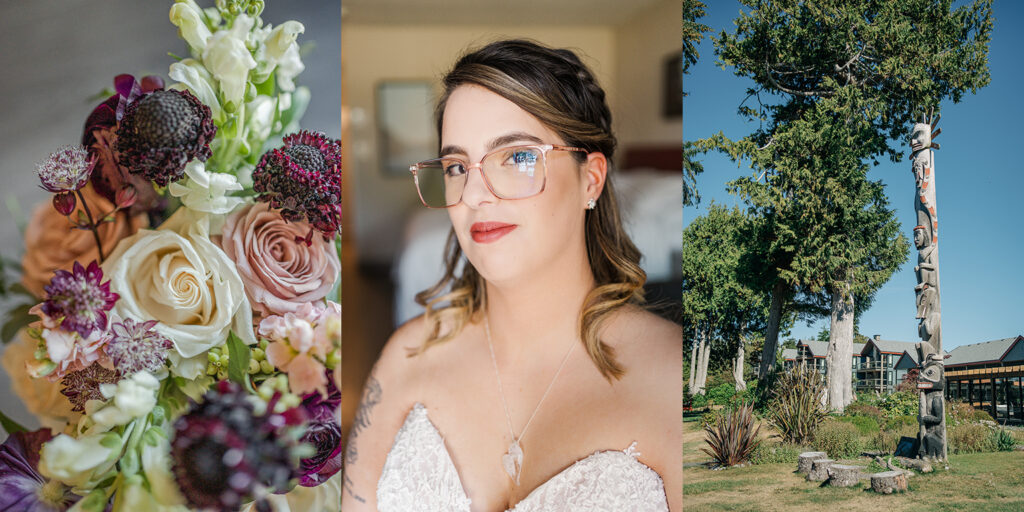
(733,438)
(796,409)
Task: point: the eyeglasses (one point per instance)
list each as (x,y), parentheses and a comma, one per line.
(514,172)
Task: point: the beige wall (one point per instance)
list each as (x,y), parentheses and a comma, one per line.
(641,47)
(626,58)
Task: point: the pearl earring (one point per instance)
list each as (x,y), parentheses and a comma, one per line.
(591,203)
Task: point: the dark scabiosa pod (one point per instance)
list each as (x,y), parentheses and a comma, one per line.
(224,454)
(303,180)
(161,132)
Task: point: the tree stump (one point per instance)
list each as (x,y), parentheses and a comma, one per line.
(888,482)
(843,475)
(819,470)
(806,459)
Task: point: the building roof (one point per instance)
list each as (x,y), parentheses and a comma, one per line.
(907,360)
(820,348)
(788,354)
(858,348)
(890,346)
(984,352)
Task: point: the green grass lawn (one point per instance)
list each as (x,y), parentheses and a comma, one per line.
(975,482)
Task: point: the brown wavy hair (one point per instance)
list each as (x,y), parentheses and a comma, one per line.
(556,87)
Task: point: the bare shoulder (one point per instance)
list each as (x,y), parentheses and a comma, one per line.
(645,340)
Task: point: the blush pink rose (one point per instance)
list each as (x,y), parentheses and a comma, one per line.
(280,272)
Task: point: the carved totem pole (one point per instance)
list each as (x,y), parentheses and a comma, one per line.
(931,382)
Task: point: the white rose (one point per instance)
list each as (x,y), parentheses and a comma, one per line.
(187,16)
(228,59)
(130,398)
(177,276)
(205,191)
(79,462)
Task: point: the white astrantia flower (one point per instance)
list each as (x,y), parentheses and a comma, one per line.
(80,462)
(133,397)
(229,61)
(192,75)
(188,17)
(206,191)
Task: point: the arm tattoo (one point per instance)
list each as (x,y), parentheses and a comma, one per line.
(348,489)
(371,397)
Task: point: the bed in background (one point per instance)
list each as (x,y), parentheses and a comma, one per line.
(649,187)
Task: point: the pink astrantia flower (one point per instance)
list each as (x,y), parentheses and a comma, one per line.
(79,298)
(135,346)
(62,351)
(300,347)
(66,170)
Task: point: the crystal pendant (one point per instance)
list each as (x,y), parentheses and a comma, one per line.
(513,461)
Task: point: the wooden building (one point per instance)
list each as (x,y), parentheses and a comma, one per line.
(989,376)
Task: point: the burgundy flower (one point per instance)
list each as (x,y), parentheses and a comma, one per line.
(109,177)
(84,385)
(303,179)
(65,170)
(324,433)
(22,488)
(135,346)
(222,451)
(80,299)
(161,132)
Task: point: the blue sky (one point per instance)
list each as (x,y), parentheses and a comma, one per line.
(979,181)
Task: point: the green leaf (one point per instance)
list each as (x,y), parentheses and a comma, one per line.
(10,425)
(17,319)
(238,360)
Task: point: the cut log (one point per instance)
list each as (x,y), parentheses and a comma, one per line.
(918,464)
(888,482)
(843,475)
(819,470)
(806,459)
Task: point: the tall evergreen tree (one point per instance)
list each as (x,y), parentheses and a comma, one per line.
(838,84)
(693,33)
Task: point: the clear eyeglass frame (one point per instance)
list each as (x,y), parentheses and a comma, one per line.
(543,148)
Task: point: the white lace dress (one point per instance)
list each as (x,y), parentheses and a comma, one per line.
(419,476)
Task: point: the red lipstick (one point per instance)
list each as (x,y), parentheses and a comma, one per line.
(487,232)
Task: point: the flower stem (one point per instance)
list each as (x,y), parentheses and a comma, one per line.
(92,225)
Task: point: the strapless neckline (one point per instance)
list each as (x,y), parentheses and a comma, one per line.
(642,484)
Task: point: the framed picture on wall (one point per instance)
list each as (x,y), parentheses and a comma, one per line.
(672,87)
(405,125)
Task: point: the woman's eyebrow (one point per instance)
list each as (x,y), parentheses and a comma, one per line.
(453,150)
(497,142)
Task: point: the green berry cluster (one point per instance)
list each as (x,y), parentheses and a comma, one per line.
(217,361)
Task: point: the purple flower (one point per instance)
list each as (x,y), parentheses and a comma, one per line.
(161,132)
(135,346)
(303,179)
(222,452)
(324,433)
(22,488)
(79,298)
(66,170)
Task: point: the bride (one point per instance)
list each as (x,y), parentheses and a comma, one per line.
(533,381)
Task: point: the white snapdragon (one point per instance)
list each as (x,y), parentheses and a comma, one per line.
(130,398)
(192,75)
(206,191)
(229,60)
(80,462)
(188,17)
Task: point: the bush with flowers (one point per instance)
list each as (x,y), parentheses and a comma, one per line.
(180,339)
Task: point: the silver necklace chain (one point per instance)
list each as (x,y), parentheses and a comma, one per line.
(508,417)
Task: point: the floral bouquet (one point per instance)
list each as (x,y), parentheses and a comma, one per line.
(179,342)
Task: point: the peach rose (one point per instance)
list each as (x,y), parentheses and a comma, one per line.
(280,273)
(51,243)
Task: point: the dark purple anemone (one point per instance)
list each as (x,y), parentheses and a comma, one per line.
(22,488)
(303,180)
(80,299)
(323,432)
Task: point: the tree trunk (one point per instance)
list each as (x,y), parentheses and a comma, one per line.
(737,364)
(693,361)
(771,335)
(702,372)
(840,349)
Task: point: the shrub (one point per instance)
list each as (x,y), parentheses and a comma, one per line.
(885,440)
(796,409)
(958,411)
(909,382)
(900,403)
(1002,440)
(980,415)
(838,439)
(700,401)
(1018,435)
(733,437)
(709,418)
(721,393)
(862,409)
(898,422)
(772,453)
(866,426)
(969,438)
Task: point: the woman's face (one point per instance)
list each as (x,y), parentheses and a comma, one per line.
(510,240)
